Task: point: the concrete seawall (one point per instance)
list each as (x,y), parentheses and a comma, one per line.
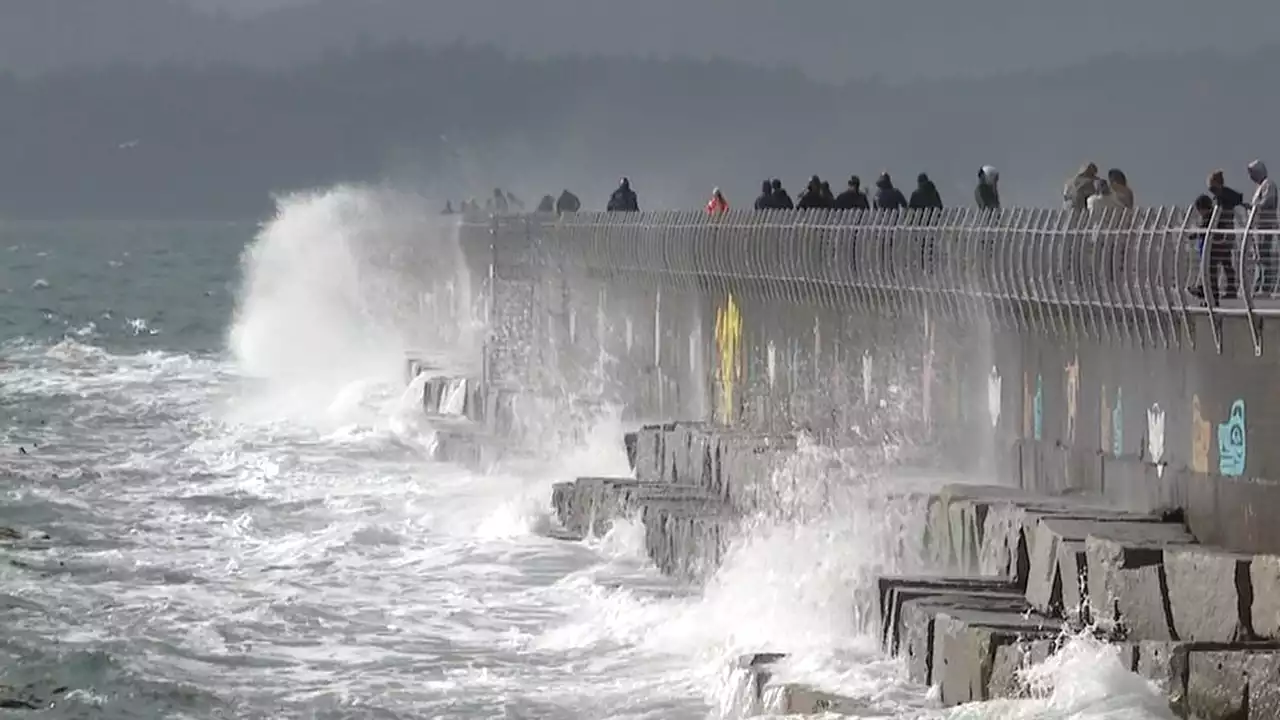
(1020,345)
(1120,423)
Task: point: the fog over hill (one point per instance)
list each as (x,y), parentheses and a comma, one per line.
(829,39)
(215,142)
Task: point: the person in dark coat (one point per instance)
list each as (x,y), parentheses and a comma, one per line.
(888,197)
(987,193)
(781,198)
(624,199)
(499,202)
(852,198)
(568,203)
(766,201)
(827,198)
(547,205)
(1221,242)
(925,196)
(812,198)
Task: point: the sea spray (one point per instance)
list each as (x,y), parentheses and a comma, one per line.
(340,285)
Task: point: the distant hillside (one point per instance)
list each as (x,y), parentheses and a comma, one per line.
(832,40)
(215,142)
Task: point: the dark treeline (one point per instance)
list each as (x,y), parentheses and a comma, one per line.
(216,142)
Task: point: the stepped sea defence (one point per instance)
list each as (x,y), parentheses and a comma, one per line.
(1057,357)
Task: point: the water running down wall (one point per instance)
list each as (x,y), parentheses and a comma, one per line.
(1045,348)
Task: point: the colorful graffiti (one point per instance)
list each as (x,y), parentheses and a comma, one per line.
(1155,437)
(1117,424)
(1039,408)
(1201,434)
(994,396)
(1073,392)
(1232,452)
(729,351)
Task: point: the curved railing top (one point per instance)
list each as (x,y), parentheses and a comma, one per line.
(1139,272)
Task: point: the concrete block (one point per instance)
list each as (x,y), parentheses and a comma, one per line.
(1218,685)
(965,644)
(1210,594)
(686,538)
(894,590)
(1012,659)
(797,699)
(753,671)
(1165,664)
(1264,577)
(648,466)
(1127,586)
(1058,555)
(917,626)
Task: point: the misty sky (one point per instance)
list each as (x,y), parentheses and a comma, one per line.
(829,39)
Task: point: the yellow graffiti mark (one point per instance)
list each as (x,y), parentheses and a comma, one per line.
(729,347)
(1201,437)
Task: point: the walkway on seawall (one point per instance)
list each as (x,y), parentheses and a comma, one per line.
(1051,354)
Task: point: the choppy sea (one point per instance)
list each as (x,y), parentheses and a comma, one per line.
(222,506)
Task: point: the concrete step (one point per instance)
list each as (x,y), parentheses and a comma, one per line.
(1058,562)
(895,590)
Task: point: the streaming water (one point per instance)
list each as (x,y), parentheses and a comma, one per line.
(242,521)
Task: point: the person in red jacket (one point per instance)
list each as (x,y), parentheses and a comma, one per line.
(717,205)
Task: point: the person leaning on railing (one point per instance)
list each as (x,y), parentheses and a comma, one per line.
(987,193)
(1218,246)
(1266,222)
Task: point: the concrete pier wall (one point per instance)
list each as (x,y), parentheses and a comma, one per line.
(1047,350)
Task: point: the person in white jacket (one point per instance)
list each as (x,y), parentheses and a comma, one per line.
(1265,224)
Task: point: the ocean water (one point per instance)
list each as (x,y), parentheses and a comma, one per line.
(226,508)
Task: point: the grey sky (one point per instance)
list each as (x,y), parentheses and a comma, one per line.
(829,39)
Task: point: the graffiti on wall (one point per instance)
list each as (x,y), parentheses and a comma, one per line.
(1039,409)
(729,355)
(1155,437)
(1117,424)
(866,377)
(994,396)
(1231,442)
(1201,434)
(1027,405)
(1072,392)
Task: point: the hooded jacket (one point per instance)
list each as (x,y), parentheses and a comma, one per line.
(852,199)
(624,198)
(925,196)
(987,193)
(1265,201)
(766,200)
(888,197)
(1075,195)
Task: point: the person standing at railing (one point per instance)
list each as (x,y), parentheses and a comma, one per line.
(926,195)
(1075,195)
(764,201)
(717,205)
(812,198)
(852,198)
(547,205)
(1265,223)
(888,197)
(1119,182)
(568,203)
(1218,241)
(624,199)
(987,193)
(781,198)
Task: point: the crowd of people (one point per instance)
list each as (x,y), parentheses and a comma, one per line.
(1216,210)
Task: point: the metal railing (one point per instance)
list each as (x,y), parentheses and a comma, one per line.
(1125,275)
